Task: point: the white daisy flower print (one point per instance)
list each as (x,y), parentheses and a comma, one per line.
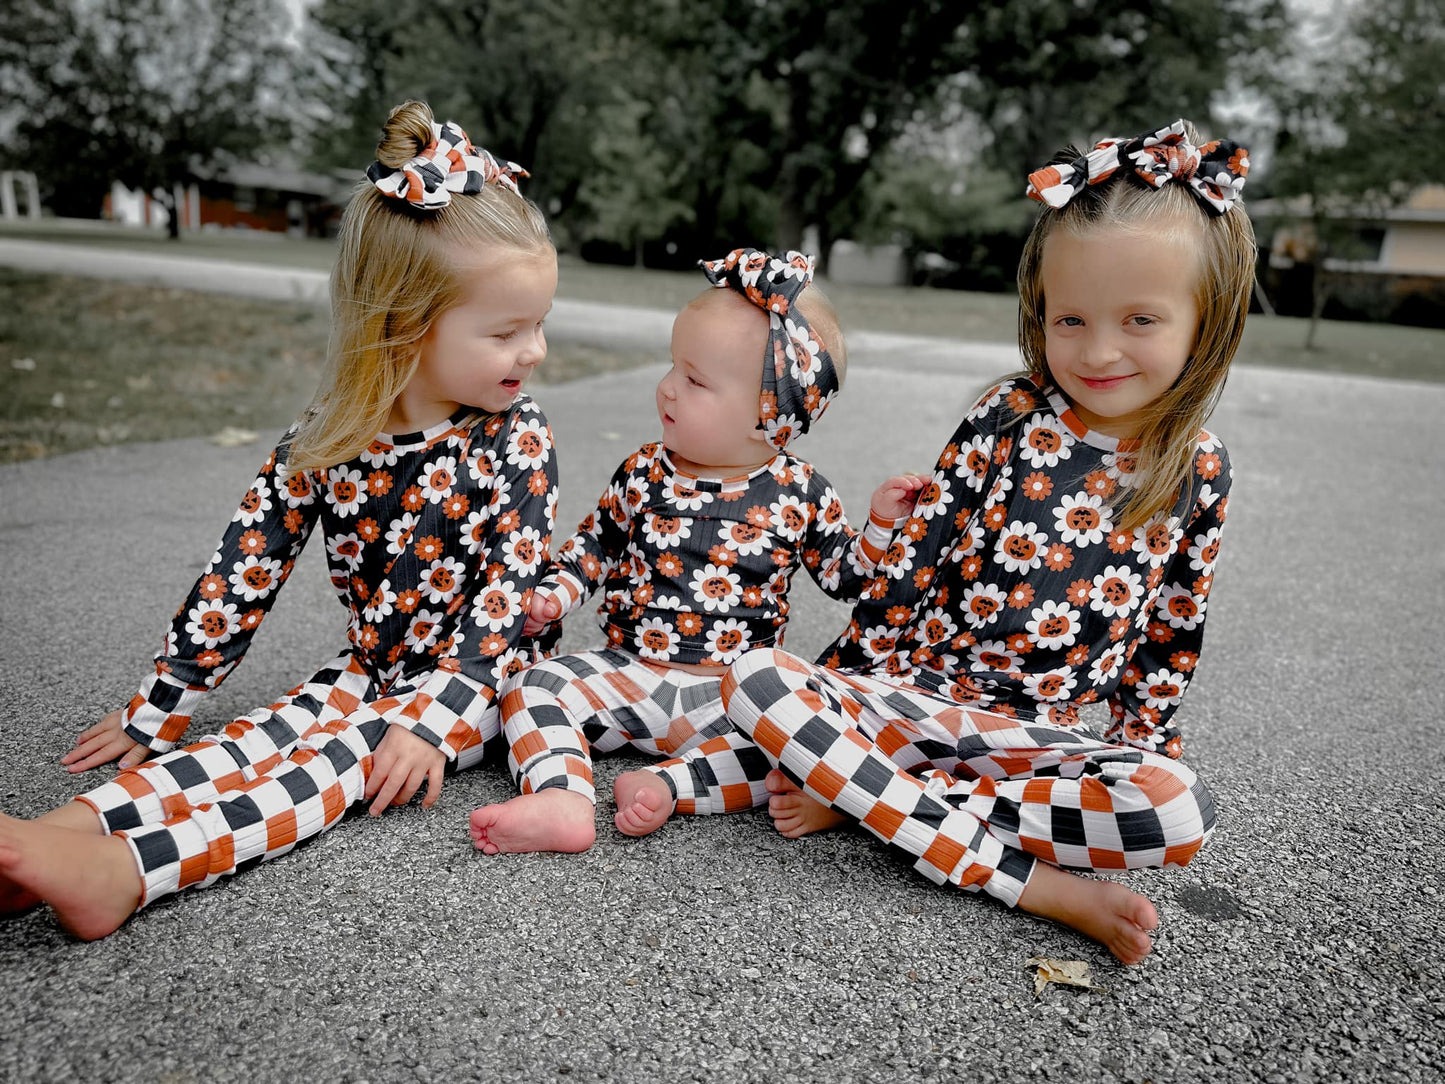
(399,532)
(1051,685)
(981,604)
(379,605)
(717,587)
(684,497)
(665,531)
(522,551)
(211,623)
(378,454)
(727,640)
(501,495)
(1082,519)
(1179,606)
(423,630)
(656,639)
(973,461)
(1020,547)
(257,503)
(483,466)
(1115,591)
(1161,689)
(345,490)
(438,478)
(255,577)
(529,446)
(1044,443)
(1205,550)
(497,606)
(789,517)
(993,655)
(745,539)
(1054,625)
(1103,669)
(442,579)
(345,549)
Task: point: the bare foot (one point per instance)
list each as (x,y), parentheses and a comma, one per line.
(90,881)
(550,820)
(796,814)
(15,900)
(1111,914)
(644,802)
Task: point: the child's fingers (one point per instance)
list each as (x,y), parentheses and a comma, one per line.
(386,791)
(434,777)
(134,757)
(95,754)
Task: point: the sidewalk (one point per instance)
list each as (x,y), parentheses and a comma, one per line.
(1299,946)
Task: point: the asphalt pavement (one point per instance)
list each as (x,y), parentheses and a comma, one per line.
(1299,945)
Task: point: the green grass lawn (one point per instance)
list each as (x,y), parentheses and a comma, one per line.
(86,362)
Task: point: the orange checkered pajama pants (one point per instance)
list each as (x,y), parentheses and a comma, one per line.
(974,796)
(558,713)
(268,781)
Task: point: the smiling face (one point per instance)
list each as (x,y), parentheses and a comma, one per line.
(481,351)
(1120,320)
(708,400)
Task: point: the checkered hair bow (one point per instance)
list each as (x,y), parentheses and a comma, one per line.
(799,380)
(1214,172)
(448,164)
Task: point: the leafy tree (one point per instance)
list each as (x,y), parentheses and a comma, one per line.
(1352,121)
(152,93)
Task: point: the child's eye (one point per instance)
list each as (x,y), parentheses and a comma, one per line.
(1141,321)
(1071,321)
(695,382)
(505,335)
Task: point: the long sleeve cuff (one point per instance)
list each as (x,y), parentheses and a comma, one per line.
(568,589)
(447,711)
(873,542)
(158,714)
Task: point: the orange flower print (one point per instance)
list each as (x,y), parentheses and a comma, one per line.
(1099,483)
(949,457)
(212,587)
(412,500)
(1078,592)
(252,543)
(915,528)
(1037,486)
(508,522)
(252,618)
(210,658)
(689,624)
(292,520)
(1118,629)
(1020,401)
(367,530)
(428,548)
(1003,451)
(995,516)
(752,596)
(1058,557)
(1020,596)
(1239,166)
(456,506)
(1159,633)
(1078,655)
(538,483)
(1208,464)
(921,579)
(767,406)
(492,644)
(407,601)
(669,565)
(369,637)
(1184,660)
(971,568)
(642,594)
(378,483)
(898,615)
(721,555)
(1120,541)
(1019,643)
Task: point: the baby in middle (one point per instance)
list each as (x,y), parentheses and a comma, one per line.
(694,544)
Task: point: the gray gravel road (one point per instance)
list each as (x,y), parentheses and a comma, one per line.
(1299,946)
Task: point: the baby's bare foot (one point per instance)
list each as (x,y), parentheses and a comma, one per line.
(1111,914)
(15,900)
(644,802)
(796,814)
(550,820)
(90,881)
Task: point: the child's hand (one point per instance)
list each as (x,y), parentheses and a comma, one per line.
(546,608)
(102,743)
(400,765)
(894,498)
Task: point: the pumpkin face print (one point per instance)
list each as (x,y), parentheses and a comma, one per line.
(1183,607)
(1050,685)
(1045,440)
(529,442)
(995,660)
(298,487)
(1020,548)
(442,580)
(715,587)
(1054,626)
(256,577)
(252,500)
(1156,538)
(214,624)
(728,640)
(525,550)
(983,606)
(656,640)
(792,517)
(1115,592)
(496,604)
(1082,518)
(744,534)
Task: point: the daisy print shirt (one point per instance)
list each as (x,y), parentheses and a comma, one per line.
(696,570)
(1011,588)
(434,540)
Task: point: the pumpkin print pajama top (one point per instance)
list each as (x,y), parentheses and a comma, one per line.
(946,718)
(435,541)
(693,571)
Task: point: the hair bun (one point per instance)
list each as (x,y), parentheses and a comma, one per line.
(407,132)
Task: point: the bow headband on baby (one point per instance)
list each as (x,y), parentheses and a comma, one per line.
(1215,171)
(799,379)
(449,163)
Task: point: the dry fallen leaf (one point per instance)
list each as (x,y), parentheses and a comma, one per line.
(1063,972)
(231,437)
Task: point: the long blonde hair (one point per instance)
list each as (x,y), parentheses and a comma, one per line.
(1226,245)
(396,271)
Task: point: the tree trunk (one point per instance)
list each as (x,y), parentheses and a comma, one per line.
(173,223)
